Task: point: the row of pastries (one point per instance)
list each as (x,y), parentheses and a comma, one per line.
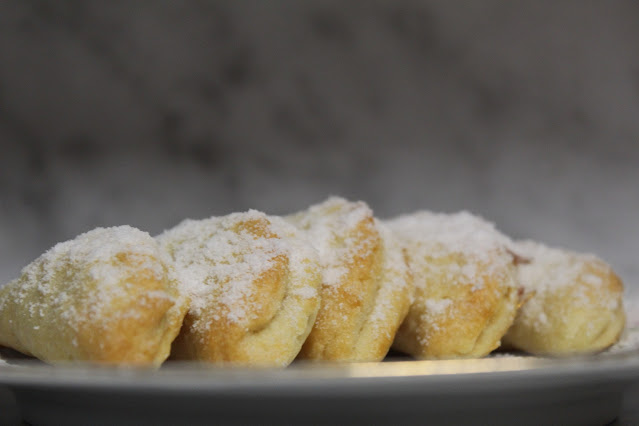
(332,283)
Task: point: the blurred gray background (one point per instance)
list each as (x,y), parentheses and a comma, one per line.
(145,113)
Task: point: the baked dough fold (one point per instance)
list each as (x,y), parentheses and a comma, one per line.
(366,285)
(253,281)
(466,295)
(574,302)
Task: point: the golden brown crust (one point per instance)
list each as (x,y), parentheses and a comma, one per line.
(344,306)
(254,286)
(366,285)
(152,327)
(465,297)
(121,307)
(457,319)
(575,304)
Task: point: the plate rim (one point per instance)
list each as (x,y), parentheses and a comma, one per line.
(618,368)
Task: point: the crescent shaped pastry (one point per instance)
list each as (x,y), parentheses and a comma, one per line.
(366,286)
(575,303)
(253,284)
(466,296)
(107,296)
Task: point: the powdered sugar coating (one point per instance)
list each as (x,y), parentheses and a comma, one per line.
(218,261)
(572,302)
(366,286)
(334,221)
(465,296)
(395,283)
(437,307)
(549,270)
(433,236)
(108,256)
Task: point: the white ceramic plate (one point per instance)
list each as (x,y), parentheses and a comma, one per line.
(497,390)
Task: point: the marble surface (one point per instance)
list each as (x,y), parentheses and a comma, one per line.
(149,112)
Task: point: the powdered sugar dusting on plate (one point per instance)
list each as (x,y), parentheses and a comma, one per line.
(629,340)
